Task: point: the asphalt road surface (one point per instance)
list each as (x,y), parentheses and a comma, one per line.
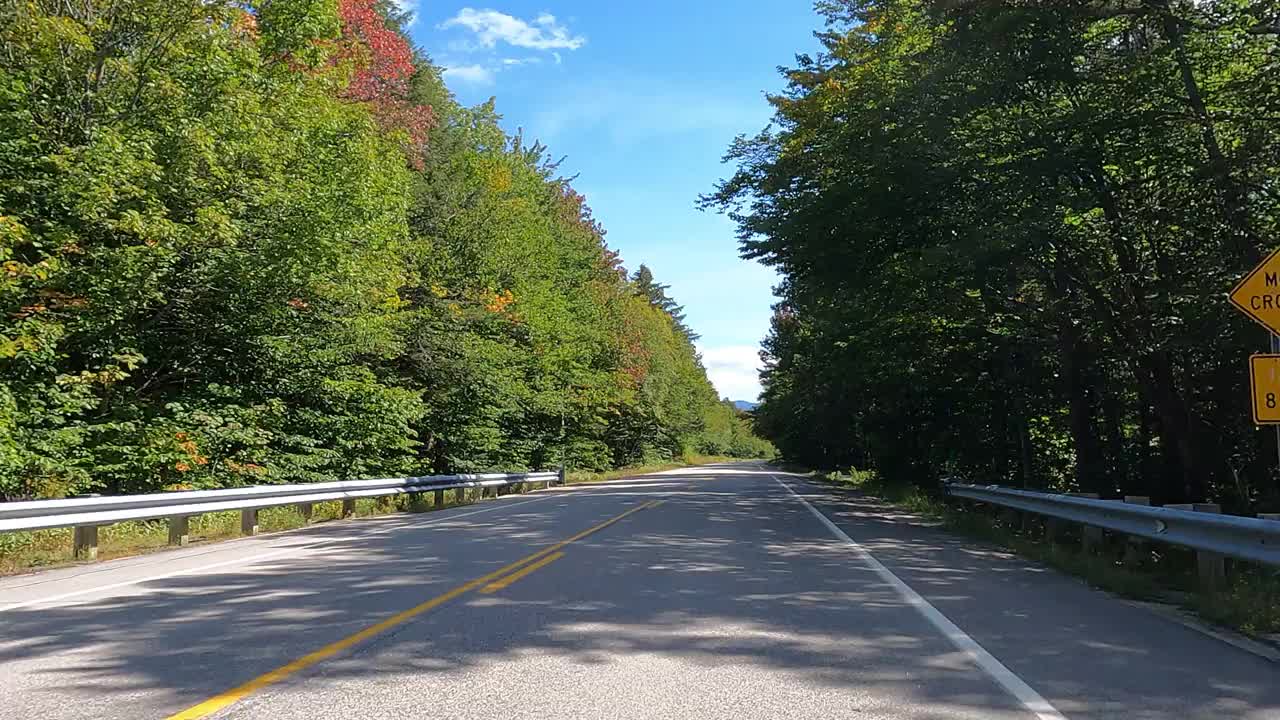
(731,591)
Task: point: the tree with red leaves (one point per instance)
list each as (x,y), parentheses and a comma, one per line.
(384,71)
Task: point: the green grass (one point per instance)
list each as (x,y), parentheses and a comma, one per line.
(1250,602)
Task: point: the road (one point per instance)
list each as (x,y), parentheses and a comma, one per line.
(731,591)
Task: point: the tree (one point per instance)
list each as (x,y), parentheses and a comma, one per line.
(260,242)
(1004,231)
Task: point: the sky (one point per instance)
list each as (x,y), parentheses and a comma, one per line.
(642,100)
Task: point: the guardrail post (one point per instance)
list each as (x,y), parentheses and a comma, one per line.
(306,510)
(417,502)
(1052,529)
(1211,567)
(85,542)
(249,521)
(1134,548)
(1090,536)
(180,530)
(559,476)
(438,500)
(348,507)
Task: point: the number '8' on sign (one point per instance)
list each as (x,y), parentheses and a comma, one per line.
(1264,382)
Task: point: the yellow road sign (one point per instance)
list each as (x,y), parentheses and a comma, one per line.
(1258,294)
(1264,382)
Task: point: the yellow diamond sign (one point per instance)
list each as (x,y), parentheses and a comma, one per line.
(1258,294)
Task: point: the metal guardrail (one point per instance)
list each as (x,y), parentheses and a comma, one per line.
(1253,539)
(89,513)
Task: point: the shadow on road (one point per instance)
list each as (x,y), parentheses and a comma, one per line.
(730,573)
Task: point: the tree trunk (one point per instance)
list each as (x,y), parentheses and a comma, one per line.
(1177,429)
(1090,468)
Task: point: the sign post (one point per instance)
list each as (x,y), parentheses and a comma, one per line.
(1275,348)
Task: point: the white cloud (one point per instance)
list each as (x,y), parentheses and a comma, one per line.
(734,370)
(492,27)
(514,62)
(475,74)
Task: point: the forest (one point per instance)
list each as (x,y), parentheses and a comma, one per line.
(1007,230)
(259,241)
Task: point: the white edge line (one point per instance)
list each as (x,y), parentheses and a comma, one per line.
(237,561)
(1015,685)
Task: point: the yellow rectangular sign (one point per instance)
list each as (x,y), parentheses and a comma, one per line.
(1264,381)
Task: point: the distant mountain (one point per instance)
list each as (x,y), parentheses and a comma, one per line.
(745,406)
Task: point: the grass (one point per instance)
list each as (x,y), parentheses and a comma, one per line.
(1250,601)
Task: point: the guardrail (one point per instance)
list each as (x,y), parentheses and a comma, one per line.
(1196,526)
(87,514)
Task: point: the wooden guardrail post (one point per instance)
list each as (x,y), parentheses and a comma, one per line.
(1090,536)
(1211,567)
(179,530)
(348,507)
(438,500)
(306,510)
(85,542)
(249,521)
(1134,548)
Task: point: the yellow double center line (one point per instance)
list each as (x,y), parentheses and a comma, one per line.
(489,583)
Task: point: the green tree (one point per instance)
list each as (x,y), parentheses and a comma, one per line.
(1005,230)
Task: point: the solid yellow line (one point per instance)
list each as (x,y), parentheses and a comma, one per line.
(234,695)
(506,580)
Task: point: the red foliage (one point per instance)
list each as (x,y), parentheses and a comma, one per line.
(384,71)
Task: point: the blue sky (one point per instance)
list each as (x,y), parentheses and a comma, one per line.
(643,99)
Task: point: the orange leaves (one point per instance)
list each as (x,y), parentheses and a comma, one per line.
(298,304)
(497,302)
(188,446)
(50,300)
(245,468)
(29,310)
(245,25)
